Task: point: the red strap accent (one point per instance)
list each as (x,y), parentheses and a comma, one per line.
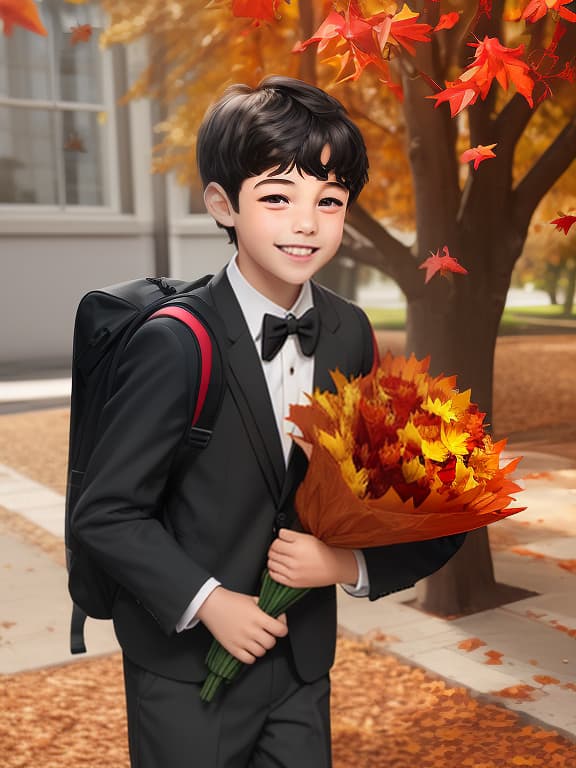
(186,317)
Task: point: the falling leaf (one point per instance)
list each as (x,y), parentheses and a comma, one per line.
(443,264)
(74,143)
(537,9)
(81,33)
(262,10)
(406,30)
(493,658)
(492,61)
(478,153)
(21,13)
(470,644)
(564,223)
(447,21)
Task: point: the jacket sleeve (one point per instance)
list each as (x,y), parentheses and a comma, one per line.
(399,566)
(118,515)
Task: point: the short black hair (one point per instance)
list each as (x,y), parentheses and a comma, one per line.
(281,123)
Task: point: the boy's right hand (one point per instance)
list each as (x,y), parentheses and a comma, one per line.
(239,625)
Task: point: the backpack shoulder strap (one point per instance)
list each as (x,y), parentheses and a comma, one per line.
(200,318)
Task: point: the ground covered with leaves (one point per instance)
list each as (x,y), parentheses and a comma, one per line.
(386,714)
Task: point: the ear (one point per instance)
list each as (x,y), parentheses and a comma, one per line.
(218,204)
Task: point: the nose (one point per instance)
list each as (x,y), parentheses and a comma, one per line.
(305,221)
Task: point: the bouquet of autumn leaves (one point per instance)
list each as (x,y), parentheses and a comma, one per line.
(395,456)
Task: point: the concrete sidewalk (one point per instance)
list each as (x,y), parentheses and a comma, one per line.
(523,654)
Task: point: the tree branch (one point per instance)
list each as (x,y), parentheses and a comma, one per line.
(517,113)
(388,254)
(543,174)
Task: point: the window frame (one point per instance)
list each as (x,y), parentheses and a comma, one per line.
(110,169)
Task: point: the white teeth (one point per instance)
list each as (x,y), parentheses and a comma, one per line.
(296,250)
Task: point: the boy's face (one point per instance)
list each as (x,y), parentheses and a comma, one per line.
(288,226)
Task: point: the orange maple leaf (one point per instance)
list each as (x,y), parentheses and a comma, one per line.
(262,10)
(22,13)
(492,61)
(537,9)
(443,264)
(478,153)
(495,61)
(405,29)
(447,21)
(81,33)
(354,39)
(564,223)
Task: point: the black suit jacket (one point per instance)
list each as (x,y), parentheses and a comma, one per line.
(162,522)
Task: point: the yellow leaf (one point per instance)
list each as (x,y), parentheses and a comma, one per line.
(409,434)
(356,480)
(434,450)
(334,444)
(454,439)
(413,471)
(464,479)
(406,13)
(445,410)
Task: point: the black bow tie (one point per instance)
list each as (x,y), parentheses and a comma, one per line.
(275,330)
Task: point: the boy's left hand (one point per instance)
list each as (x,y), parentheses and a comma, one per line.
(301,560)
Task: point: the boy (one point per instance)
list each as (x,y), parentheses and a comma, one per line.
(187,541)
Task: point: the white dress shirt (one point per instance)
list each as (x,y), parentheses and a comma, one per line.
(289,375)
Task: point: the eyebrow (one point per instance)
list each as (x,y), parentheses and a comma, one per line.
(290,182)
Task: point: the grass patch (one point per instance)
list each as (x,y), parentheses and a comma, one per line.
(515,320)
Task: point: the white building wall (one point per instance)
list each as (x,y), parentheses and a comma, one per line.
(43,280)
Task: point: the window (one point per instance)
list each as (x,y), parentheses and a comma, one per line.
(57,117)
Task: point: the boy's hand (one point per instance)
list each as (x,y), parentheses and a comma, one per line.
(239,625)
(301,560)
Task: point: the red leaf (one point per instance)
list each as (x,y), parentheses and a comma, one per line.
(537,9)
(447,21)
(354,38)
(479,153)
(564,223)
(442,264)
(263,10)
(22,13)
(409,31)
(492,61)
(80,33)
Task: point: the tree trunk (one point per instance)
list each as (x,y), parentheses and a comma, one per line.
(570,289)
(461,340)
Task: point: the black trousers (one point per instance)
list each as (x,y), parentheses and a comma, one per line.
(267,718)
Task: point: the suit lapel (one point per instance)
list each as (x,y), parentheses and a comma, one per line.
(248,386)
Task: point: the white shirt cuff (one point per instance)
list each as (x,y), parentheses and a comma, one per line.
(362,586)
(188,620)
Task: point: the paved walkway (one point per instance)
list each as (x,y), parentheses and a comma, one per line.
(522,654)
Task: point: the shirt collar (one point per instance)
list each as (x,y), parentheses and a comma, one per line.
(255,305)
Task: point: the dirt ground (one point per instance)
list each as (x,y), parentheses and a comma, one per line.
(386,714)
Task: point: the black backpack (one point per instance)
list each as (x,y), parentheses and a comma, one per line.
(105,321)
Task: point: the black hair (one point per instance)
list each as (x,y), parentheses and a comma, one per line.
(281,123)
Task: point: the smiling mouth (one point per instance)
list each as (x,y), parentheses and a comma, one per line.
(297,250)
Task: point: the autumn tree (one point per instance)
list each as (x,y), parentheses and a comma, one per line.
(425,81)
